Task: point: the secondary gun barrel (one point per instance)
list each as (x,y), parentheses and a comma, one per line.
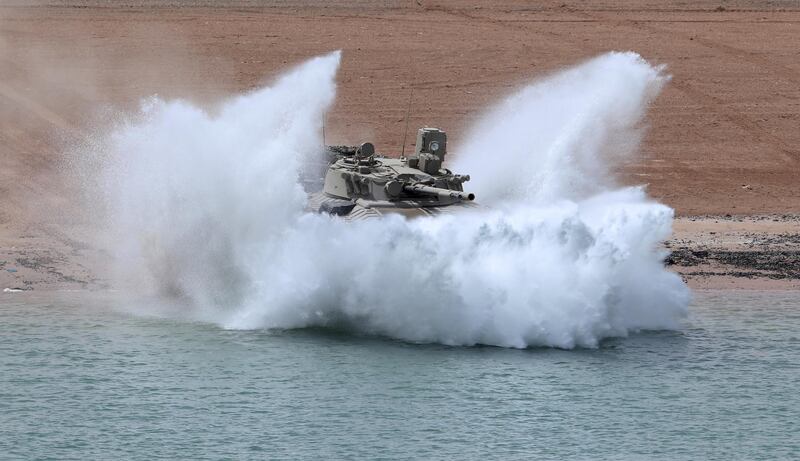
(437,192)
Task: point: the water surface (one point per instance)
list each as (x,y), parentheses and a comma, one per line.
(80,380)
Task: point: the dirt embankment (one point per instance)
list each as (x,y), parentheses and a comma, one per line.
(722,138)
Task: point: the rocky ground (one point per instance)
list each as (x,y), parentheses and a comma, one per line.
(48,259)
(759,252)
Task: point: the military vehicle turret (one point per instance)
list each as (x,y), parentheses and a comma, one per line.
(359,184)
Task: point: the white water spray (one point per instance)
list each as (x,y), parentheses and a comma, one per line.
(207,209)
(563,134)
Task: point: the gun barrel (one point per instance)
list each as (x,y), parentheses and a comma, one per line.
(437,192)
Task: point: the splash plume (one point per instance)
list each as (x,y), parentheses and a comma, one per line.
(207,209)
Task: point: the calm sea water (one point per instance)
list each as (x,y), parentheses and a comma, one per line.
(81,381)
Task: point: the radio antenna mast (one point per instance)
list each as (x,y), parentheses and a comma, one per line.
(323,128)
(408,112)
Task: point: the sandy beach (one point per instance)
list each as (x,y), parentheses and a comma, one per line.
(722,145)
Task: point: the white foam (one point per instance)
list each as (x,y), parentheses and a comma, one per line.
(206,208)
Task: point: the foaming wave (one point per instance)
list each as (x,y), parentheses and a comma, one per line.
(207,209)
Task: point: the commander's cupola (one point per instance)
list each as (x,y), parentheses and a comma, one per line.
(430,150)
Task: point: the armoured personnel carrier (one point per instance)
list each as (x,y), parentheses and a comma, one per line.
(359,184)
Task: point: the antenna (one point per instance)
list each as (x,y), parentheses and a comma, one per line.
(323,129)
(408,112)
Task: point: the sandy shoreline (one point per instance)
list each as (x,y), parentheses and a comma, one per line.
(737,252)
(708,252)
(722,137)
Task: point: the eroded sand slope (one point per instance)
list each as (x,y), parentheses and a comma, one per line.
(723,136)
